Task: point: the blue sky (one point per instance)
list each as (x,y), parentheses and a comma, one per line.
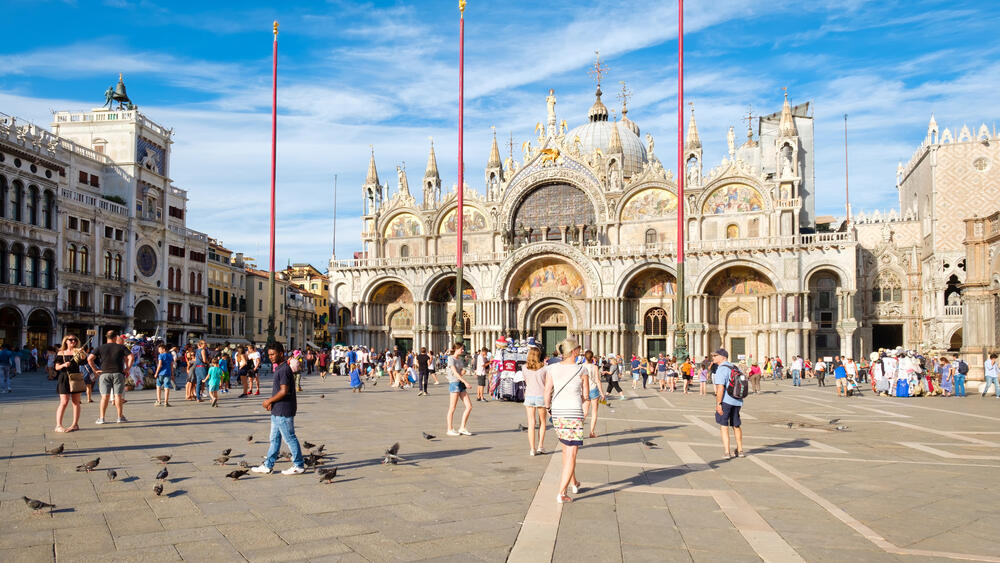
(385,74)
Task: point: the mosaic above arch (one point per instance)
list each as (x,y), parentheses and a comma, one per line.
(650,203)
(739,281)
(734,198)
(392,293)
(549,277)
(651,285)
(404,225)
(474,221)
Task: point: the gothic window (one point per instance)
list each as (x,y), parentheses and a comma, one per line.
(651,236)
(107,264)
(16,201)
(33,205)
(15,261)
(31,268)
(84,260)
(466,323)
(887,288)
(45,270)
(733,231)
(118,266)
(404,251)
(191,283)
(71,258)
(656,322)
(553,206)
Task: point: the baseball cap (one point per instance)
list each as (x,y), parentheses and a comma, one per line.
(722,352)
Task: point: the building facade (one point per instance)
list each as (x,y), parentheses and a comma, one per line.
(307,277)
(981,290)
(258,306)
(300,314)
(226,294)
(577,236)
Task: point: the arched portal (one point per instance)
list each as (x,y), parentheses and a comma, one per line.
(145,317)
(10,327)
(441,312)
(390,316)
(552,322)
(955,342)
(740,313)
(825,312)
(649,311)
(40,329)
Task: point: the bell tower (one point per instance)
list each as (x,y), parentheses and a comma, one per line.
(432,181)
(786,156)
(494,171)
(692,154)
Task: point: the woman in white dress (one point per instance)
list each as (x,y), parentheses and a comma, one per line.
(567,386)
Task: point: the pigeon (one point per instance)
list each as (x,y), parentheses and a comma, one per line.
(522,428)
(834,421)
(112,474)
(227,451)
(235,475)
(390,455)
(161,458)
(158,489)
(327,475)
(250,438)
(322,396)
(842,428)
(162,474)
(222,460)
(320,449)
(57,450)
(244,465)
(89,466)
(308,445)
(791,424)
(37,505)
(649,443)
(428,436)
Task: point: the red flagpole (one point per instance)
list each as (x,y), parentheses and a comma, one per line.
(680,334)
(274,153)
(459,326)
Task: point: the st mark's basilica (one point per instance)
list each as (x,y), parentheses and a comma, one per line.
(578,236)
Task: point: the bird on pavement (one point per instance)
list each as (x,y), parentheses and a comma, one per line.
(112,474)
(222,460)
(162,474)
(161,458)
(327,475)
(390,455)
(308,445)
(834,421)
(58,450)
(842,429)
(89,466)
(227,451)
(649,443)
(791,424)
(428,436)
(250,438)
(244,465)
(235,475)
(158,489)
(37,505)
(322,396)
(320,448)
(522,428)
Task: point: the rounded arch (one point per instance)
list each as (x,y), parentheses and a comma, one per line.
(145,317)
(843,279)
(372,288)
(436,280)
(647,202)
(518,259)
(40,318)
(546,275)
(736,199)
(444,221)
(553,205)
(11,321)
(631,274)
(530,315)
(709,274)
(535,175)
(402,222)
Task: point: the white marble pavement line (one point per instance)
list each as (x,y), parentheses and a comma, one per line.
(953,435)
(536,541)
(901,404)
(859,527)
(946,454)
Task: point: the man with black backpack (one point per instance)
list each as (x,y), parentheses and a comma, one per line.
(961,369)
(731,387)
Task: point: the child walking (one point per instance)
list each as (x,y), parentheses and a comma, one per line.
(357,385)
(214,379)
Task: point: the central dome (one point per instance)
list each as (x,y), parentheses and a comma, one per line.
(597,135)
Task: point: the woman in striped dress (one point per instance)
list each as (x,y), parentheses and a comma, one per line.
(567,386)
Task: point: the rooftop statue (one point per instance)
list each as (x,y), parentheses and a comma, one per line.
(117,93)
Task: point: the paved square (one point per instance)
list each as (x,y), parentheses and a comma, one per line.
(909,480)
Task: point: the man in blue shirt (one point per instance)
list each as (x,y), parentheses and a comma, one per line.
(283,405)
(727,409)
(6,365)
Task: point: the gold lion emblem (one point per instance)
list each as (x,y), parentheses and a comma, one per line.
(550,155)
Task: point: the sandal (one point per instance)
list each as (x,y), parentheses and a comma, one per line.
(60,429)
(73,428)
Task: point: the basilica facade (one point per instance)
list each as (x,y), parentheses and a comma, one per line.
(578,236)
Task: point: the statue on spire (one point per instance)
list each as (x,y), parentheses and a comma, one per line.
(550,102)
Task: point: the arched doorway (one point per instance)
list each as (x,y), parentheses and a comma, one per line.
(441,307)
(391,316)
(39,329)
(825,312)
(548,293)
(955,342)
(739,313)
(551,323)
(10,327)
(145,318)
(649,312)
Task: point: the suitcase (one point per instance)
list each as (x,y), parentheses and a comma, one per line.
(507,389)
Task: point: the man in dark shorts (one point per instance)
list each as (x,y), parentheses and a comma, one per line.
(423,370)
(727,409)
(115,361)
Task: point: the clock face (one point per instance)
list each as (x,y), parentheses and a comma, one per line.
(146,259)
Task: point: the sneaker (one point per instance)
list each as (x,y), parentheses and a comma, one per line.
(464,432)
(122,419)
(257,393)
(739,453)
(293,470)
(156,404)
(261,469)
(540,451)
(575,488)
(450,432)
(531,453)
(99,421)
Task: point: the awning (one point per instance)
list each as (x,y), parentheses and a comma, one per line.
(312,345)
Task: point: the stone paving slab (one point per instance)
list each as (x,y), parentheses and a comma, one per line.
(919,474)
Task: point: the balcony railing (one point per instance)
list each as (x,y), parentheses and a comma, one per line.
(115,312)
(78,308)
(953,310)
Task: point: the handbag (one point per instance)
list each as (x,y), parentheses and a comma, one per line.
(76,383)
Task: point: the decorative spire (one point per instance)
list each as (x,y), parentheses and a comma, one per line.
(624,96)
(432,164)
(692,141)
(786,126)
(372,178)
(494,161)
(932,131)
(615,144)
(598,111)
